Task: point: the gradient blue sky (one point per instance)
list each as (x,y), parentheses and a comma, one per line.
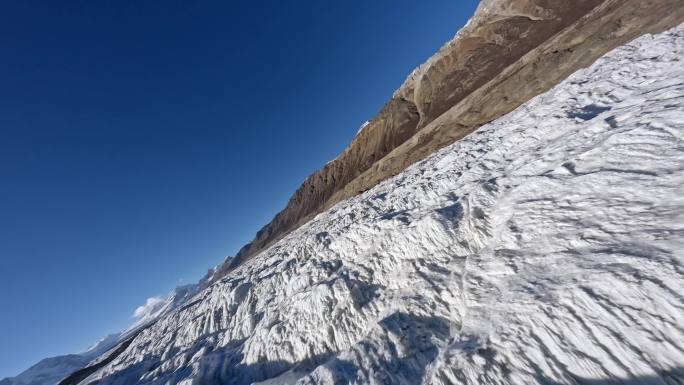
(142,141)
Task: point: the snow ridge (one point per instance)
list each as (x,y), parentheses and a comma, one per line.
(544,248)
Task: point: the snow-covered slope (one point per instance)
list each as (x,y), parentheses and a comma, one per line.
(546,247)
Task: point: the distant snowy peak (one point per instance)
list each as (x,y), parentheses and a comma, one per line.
(48,371)
(544,248)
(102,345)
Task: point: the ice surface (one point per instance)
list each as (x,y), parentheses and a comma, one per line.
(544,248)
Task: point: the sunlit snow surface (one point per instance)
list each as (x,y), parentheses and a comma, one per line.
(547,247)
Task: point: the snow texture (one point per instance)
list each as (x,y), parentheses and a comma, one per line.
(544,248)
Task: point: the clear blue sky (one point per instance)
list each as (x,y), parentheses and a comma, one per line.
(142,141)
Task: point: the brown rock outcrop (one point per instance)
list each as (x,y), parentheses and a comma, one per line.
(511,51)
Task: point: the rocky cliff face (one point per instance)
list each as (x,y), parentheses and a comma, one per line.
(510,51)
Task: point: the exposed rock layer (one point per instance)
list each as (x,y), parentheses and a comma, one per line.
(511,51)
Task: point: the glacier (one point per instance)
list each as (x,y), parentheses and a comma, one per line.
(544,248)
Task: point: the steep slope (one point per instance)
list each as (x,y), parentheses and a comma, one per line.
(510,51)
(544,248)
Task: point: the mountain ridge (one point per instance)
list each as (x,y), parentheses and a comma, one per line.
(509,51)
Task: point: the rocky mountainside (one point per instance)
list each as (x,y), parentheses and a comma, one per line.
(546,247)
(510,51)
